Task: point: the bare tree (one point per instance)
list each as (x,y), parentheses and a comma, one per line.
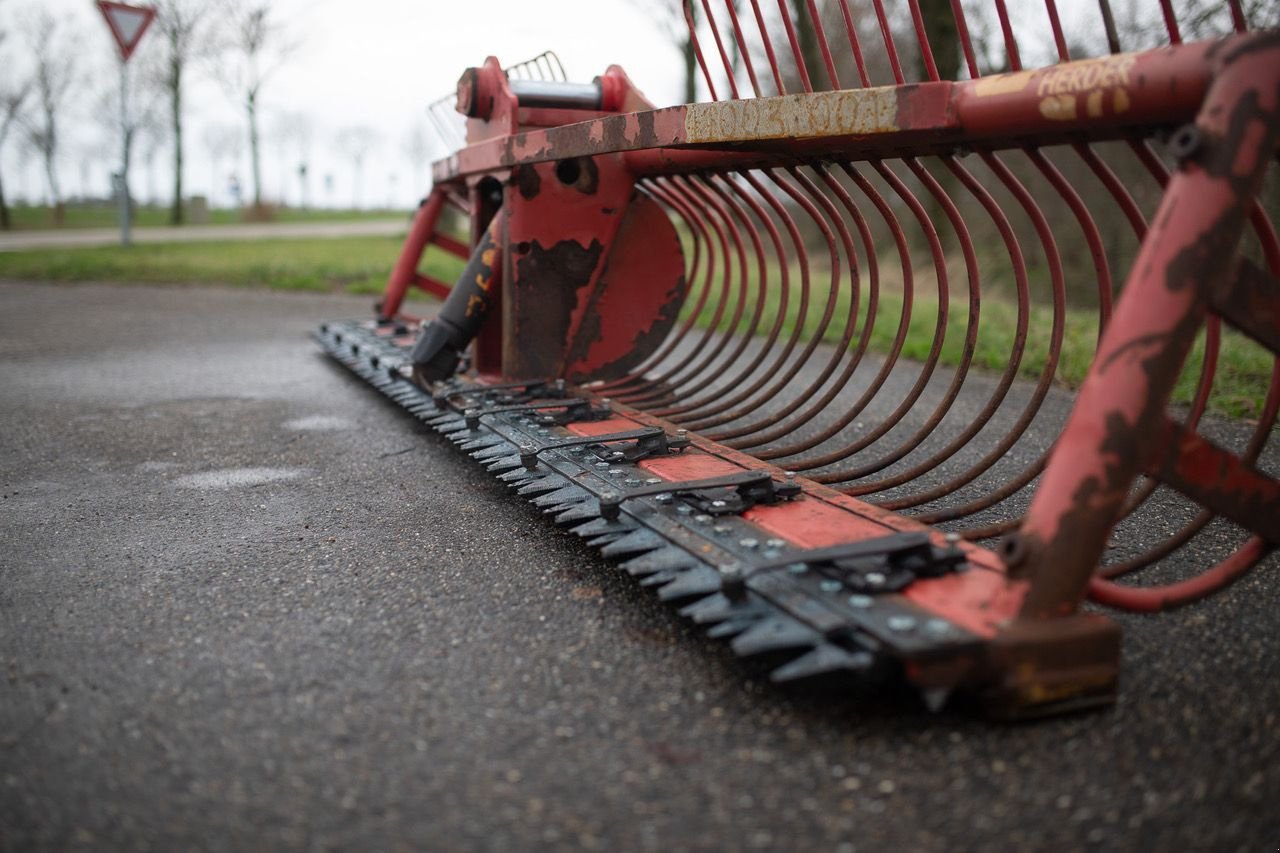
(258,46)
(416,146)
(221,141)
(185,34)
(354,143)
(54,53)
(14,89)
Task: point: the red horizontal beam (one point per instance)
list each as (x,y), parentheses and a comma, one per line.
(1096,98)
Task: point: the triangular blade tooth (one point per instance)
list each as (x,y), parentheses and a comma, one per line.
(504,464)
(732,627)
(483,442)
(660,578)
(493,451)
(935,698)
(556,509)
(548,483)
(699,580)
(584,512)
(604,525)
(824,660)
(444,418)
(661,560)
(450,427)
(520,475)
(640,542)
(600,539)
(713,608)
(774,634)
(567,494)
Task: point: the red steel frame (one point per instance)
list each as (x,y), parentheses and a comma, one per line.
(593,192)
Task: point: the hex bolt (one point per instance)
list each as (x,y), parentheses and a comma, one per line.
(614,472)
(631,481)
(797,568)
(830,585)
(682,433)
(663,499)
(701,518)
(1185,142)
(952,538)
(653,481)
(733,582)
(861,602)
(718,504)
(749,543)
(684,509)
(874,578)
(559,386)
(529,456)
(790,476)
(901,624)
(602,464)
(722,529)
(937,627)
(775,543)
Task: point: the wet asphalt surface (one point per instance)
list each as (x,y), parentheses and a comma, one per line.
(246,603)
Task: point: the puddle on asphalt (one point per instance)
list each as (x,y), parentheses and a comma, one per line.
(319,422)
(231,478)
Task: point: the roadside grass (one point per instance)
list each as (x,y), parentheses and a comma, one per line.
(40,218)
(358,265)
(1242,377)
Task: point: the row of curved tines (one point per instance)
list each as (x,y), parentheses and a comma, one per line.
(792,269)
(808,45)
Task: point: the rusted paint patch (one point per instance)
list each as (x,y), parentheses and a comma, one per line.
(851,112)
(691,465)
(546,285)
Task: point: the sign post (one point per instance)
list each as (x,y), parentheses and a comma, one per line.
(127,24)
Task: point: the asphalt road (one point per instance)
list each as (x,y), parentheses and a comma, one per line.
(247,603)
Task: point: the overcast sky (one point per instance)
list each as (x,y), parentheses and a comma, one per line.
(361,62)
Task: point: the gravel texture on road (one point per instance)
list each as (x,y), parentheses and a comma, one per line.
(245,602)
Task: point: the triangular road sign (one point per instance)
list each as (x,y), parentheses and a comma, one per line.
(127,23)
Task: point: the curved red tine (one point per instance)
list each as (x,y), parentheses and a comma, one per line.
(1171,22)
(660,189)
(922,40)
(774,426)
(690,407)
(801,69)
(966,43)
(1055,24)
(697,49)
(780,380)
(744,52)
(1153,599)
(724,57)
(678,195)
(698,376)
(890,49)
(855,44)
(970,340)
(1044,233)
(767,41)
(1237,17)
(1109,26)
(820,33)
(706,410)
(1010,43)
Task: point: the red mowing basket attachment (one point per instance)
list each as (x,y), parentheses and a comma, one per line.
(799,356)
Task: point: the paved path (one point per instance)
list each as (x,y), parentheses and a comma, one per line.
(245,603)
(15,240)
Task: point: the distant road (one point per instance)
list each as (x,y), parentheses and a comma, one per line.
(72,238)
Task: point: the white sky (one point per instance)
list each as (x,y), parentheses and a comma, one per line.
(361,62)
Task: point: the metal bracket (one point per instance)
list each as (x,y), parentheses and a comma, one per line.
(746,488)
(649,441)
(505,393)
(575,409)
(872,566)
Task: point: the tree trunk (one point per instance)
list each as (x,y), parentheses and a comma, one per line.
(690,72)
(5,224)
(251,107)
(175,103)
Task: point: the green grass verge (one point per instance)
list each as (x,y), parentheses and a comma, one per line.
(34,218)
(348,264)
(1243,373)
(360,265)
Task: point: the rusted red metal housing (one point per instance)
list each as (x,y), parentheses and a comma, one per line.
(796,275)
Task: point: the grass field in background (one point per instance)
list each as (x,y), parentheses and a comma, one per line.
(340,265)
(34,218)
(360,265)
